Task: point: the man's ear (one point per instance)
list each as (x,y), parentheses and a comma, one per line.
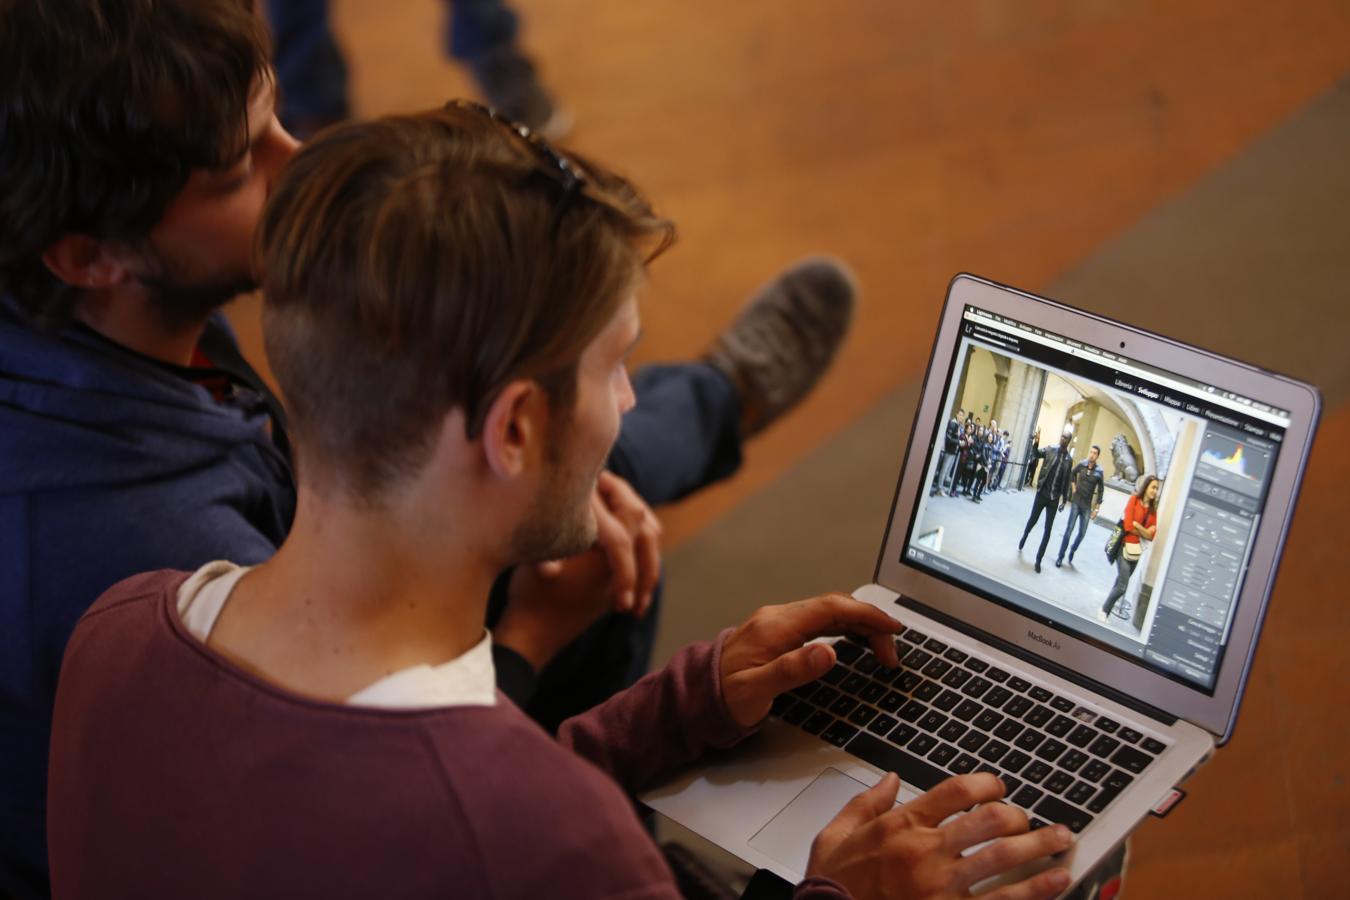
(87,262)
(514,428)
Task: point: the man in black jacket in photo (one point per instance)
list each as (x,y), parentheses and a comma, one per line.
(1052,491)
(1086,487)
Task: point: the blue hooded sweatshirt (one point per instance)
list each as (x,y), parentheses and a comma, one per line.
(110,464)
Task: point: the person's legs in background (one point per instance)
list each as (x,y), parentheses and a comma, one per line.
(311,71)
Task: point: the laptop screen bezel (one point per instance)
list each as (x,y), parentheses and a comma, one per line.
(1214,711)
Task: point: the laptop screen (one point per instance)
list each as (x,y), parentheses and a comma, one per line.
(1051,443)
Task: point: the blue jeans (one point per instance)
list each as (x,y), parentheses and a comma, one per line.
(1077,514)
(1124,569)
(313,74)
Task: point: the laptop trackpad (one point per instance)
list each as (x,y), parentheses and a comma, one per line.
(788,836)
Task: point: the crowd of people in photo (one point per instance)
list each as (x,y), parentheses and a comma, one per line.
(974,457)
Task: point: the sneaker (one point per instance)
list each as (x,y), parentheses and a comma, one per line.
(784,339)
(510,85)
(1038,567)
(1059,563)
(1101,616)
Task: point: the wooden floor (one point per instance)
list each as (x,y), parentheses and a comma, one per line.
(1004,137)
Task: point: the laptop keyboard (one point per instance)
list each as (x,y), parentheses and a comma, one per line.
(944,712)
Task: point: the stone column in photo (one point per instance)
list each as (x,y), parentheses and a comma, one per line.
(1020,408)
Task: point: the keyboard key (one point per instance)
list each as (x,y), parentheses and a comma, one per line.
(963,764)
(1059,726)
(902,734)
(917,659)
(839,733)
(1103,746)
(847,652)
(853,683)
(1050,750)
(955,678)
(1036,772)
(781,704)
(993,751)
(976,665)
(927,691)
(922,743)
(997,697)
(1029,740)
(1038,716)
(1014,760)
(1008,729)
(1094,770)
(835,675)
(1021,685)
(862,715)
(946,700)
(866,664)
(976,686)
(1073,760)
(1018,706)
(1041,695)
(932,720)
(886,674)
(1132,760)
(908,681)
(996,674)
(1107,725)
(1037,823)
(1010,784)
(953,730)
(804,691)
(1081,736)
(935,645)
(1080,793)
(911,769)
(973,741)
(968,710)
(912,711)
(1129,735)
(942,754)
(882,725)
(816,722)
(872,692)
(1058,782)
(937,668)
(914,637)
(1118,780)
(1103,799)
(1063,704)
(824,695)
(1154,746)
(955,656)
(799,713)
(987,720)
(1027,796)
(892,701)
(1053,809)
(843,706)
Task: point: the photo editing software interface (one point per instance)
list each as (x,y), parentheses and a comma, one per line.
(1000,518)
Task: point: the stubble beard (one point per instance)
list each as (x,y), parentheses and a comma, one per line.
(560,522)
(179,302)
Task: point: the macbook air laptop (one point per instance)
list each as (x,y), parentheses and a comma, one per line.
(1090,712)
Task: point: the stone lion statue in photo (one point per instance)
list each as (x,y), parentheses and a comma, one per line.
(1125,460)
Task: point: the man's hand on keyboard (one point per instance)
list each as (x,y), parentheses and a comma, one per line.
(876,849)
(765,657)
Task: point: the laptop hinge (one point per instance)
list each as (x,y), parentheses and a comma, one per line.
(1039,662)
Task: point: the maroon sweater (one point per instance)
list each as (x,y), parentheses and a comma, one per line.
(176,774)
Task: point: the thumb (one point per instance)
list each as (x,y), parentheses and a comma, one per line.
(863,808)
(760,684)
